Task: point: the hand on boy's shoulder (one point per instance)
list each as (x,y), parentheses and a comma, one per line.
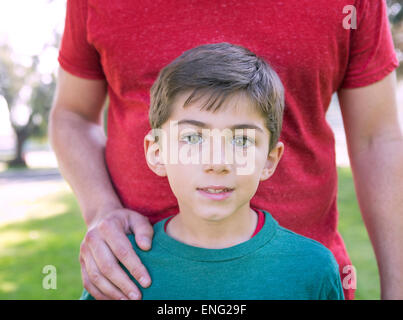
(87,296)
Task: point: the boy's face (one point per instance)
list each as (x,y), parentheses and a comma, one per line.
(206,151)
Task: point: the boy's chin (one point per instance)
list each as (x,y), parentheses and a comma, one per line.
(214,215)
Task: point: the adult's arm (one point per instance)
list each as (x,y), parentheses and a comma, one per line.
(78,140)
(375,146)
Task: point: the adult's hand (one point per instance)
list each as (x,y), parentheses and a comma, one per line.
(78,139)
(105,244)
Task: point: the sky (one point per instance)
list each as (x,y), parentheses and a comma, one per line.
(27,25)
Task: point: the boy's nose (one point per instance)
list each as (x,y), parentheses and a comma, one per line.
(218,156)
(217,168)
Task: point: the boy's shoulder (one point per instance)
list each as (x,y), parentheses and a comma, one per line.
(294,242)
(289,244)
(300,244)
(306,257)
(311,260)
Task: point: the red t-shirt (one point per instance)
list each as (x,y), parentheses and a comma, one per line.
(128,42)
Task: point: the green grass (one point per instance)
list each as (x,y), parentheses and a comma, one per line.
(26,247)
(356,239)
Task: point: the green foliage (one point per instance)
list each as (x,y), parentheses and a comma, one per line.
(395,15)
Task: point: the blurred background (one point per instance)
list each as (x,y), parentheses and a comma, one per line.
(40,222)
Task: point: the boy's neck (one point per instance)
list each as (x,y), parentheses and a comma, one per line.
(190,229)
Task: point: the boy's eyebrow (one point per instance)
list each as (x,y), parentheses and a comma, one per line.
(204,125)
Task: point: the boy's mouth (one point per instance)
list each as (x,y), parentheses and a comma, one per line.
(216,189)
(216,192)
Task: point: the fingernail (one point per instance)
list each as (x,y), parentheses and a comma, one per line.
(134,296)
(144,281)
(145,242)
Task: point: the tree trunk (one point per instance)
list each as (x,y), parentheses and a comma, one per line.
(19,160)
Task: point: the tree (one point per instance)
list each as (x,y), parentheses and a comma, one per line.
(24,87)
(395,11)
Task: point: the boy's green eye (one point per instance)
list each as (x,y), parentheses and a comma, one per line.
(193,138)
(242,141)
(239,141)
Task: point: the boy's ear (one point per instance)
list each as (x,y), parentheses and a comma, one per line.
(153,154)
(272,161)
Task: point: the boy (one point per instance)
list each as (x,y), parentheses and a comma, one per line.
(217,246)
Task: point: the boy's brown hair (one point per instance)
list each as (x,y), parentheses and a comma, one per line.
(219,70)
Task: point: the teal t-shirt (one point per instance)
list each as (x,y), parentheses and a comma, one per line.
(276,264)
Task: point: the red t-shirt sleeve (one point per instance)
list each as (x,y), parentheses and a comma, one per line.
(76,54)
(372,55)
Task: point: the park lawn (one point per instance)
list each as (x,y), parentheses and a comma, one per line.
(27,247)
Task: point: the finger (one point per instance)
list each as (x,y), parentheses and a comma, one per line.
(97,279)
(92,290)
(142,230)
(122,248)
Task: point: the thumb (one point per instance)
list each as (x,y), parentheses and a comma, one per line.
(142,230)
